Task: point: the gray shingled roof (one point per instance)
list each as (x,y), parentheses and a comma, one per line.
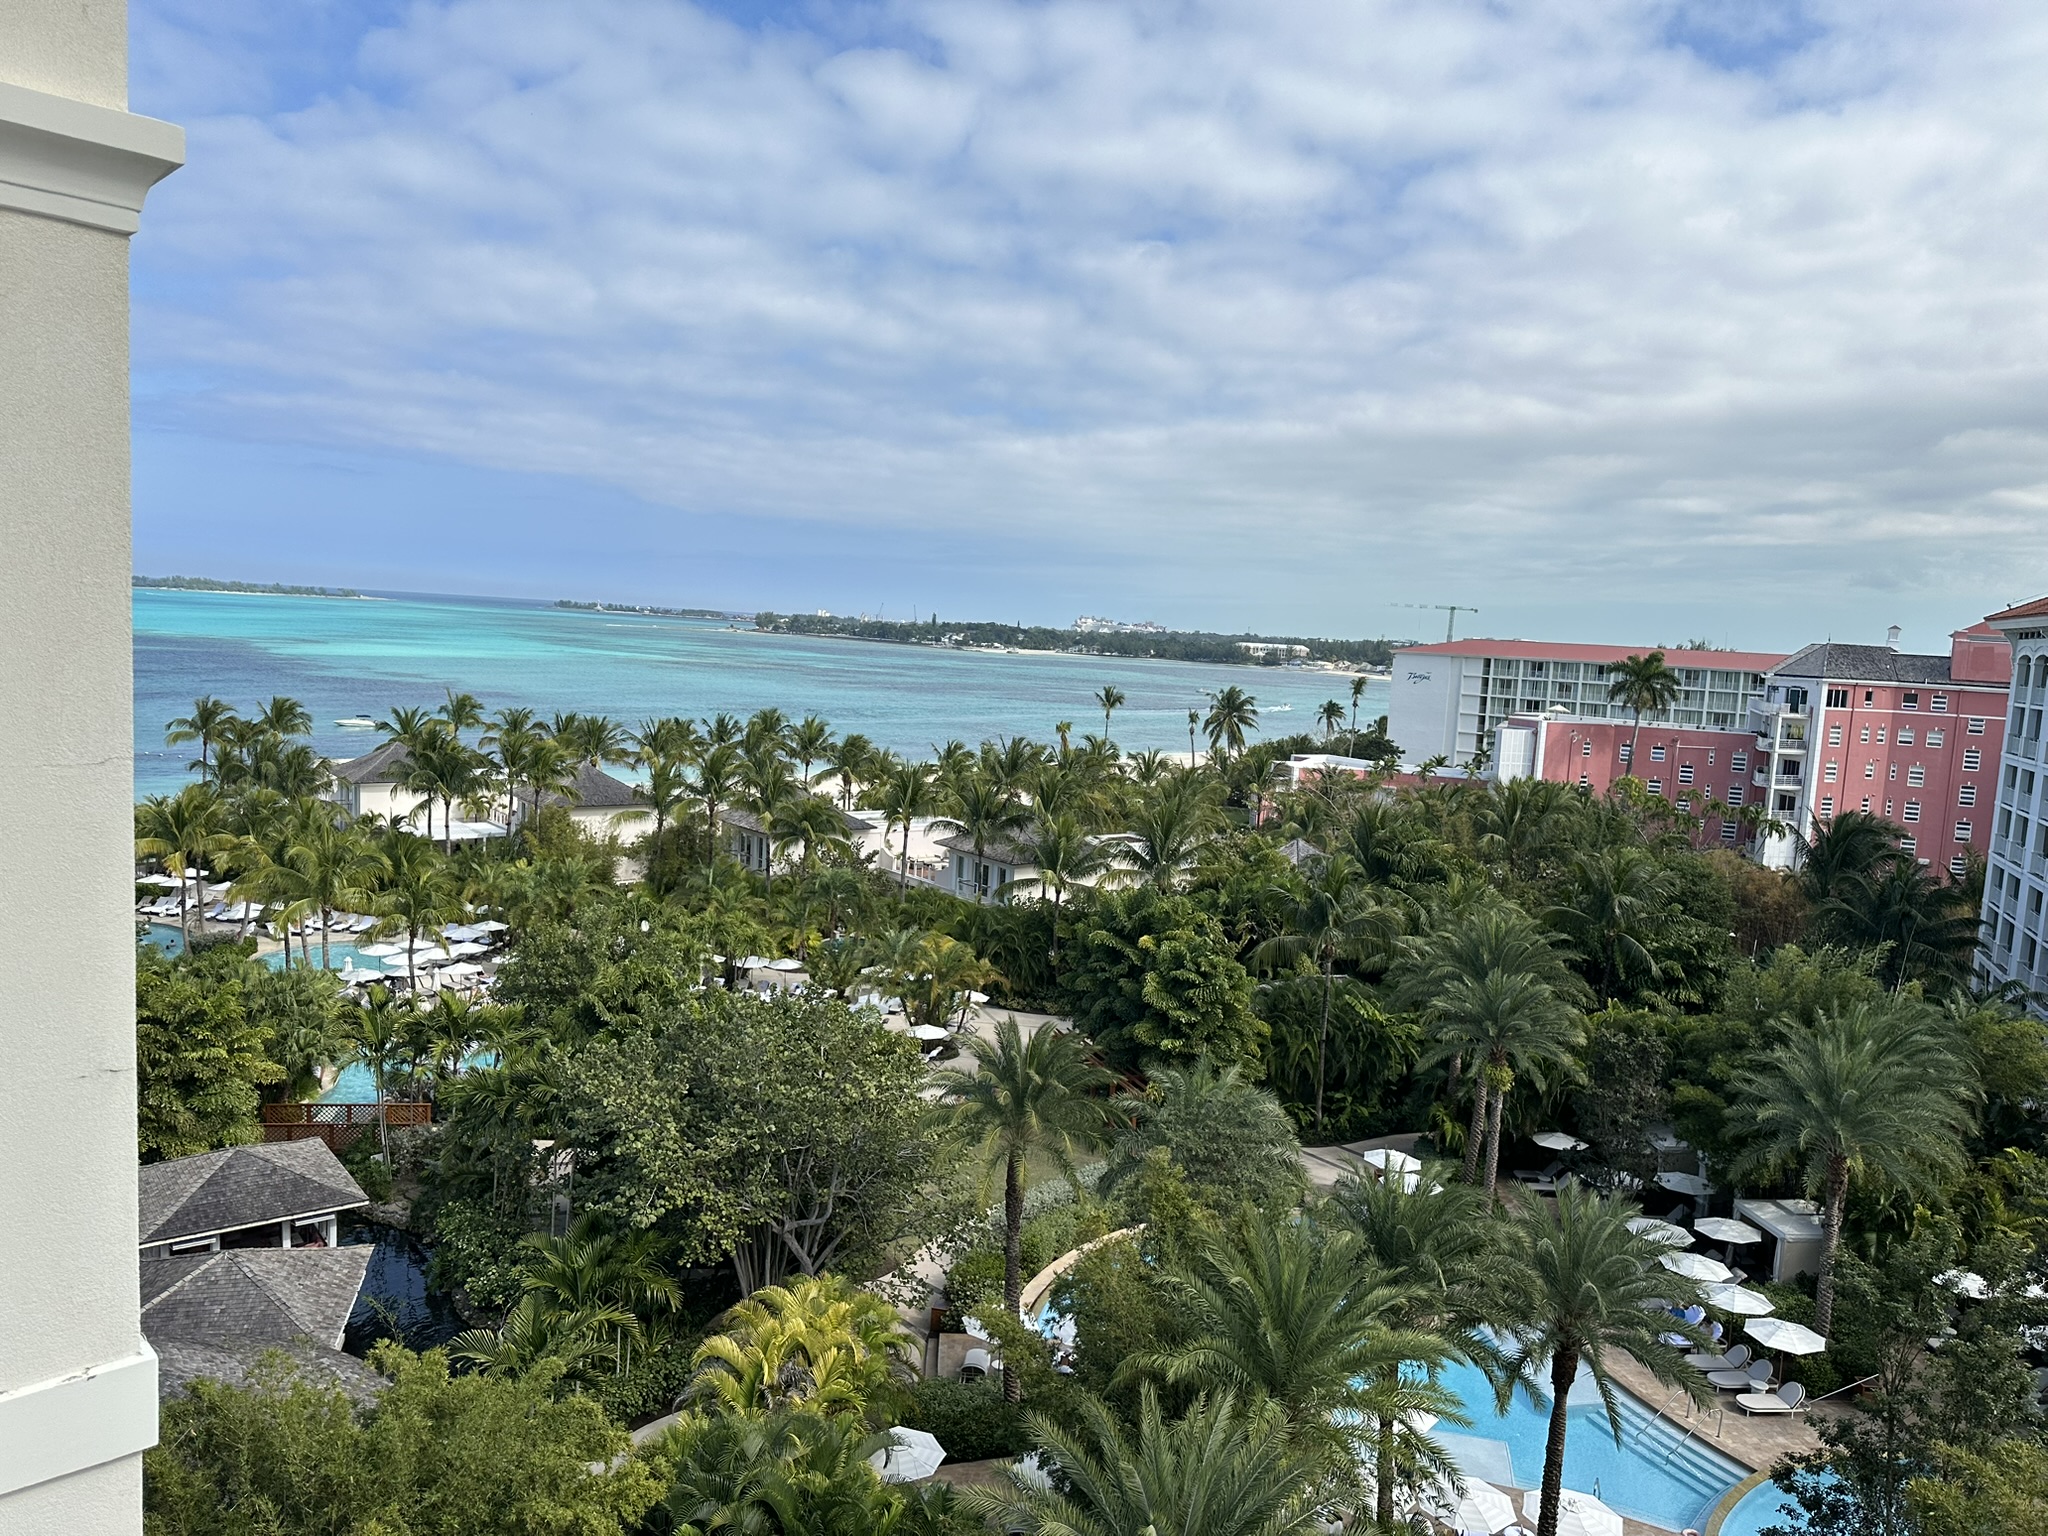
(746,821)
(1002,849)
(595,790)
(180,1362)
(242,1187)
(270,1295)
(385,764)
(1865,664)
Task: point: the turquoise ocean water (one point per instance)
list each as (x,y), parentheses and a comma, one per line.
(346,657)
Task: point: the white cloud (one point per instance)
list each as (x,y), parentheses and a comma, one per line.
(1298,303)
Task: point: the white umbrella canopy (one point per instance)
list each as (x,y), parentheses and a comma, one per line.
(1726,1229)
(1739,1300)
(462,968)
(1684,1183)
(753,963)
(977,998)
(1967,1284)
(1482,1507)
(1659,1231)
(1786,1338)
(1388,1160)
(927,1032)
(1697,1266)
(168,882)
(910,1455)
(491,925)
(785,965)
(1578,1514)
(380,951)
(1558,1141)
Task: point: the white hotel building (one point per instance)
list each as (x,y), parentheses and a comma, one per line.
(2013,946)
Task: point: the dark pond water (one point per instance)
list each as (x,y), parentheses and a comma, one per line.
(396,1301)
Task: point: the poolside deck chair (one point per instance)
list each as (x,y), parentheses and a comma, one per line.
(1756,1379)
(1787,1399)
(1733,1360)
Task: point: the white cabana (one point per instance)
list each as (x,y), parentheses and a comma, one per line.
(1775,1333)
(1558,1141)
(1578,1514)
(910,1455)
(1697,1266)
(1389,1160)
(1739,1300)
(1726,1229)
(1659,1231)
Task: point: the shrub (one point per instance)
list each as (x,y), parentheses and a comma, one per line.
(971,1421)
(975,1280)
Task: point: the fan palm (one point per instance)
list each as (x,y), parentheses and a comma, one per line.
(1232,713)
(1641,685)
(204,725)
(1036,1096)
(1591,1289)
(1111,698)
(1328,916)
(1873,1091)
(183,830)
(1216,1471)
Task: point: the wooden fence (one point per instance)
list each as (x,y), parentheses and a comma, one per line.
(339,1125)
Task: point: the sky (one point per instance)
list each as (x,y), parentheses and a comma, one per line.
(1622,320)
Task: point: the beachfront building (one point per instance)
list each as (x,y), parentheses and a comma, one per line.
(983,876)
(597,802)
(78,1382)
(212,1316)
(2012,942)
(374,785)
(282,1194)
(749,839)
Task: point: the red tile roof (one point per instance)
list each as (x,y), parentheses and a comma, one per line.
(2037,609)
(1552,650)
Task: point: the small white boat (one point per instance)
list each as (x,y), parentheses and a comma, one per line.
(356,723)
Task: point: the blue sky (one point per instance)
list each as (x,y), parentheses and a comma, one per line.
(1628,319)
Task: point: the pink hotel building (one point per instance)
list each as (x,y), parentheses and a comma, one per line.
(1832,728)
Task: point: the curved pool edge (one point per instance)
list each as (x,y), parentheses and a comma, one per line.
(1730,1499)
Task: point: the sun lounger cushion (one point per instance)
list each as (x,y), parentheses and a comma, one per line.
(1754,1379)
(1785,1400)
(1734,1360)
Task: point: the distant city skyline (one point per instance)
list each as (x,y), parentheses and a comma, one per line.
(1620,326)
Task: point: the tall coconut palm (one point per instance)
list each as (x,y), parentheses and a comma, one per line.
(1215,1471)
(409,725)
(985,810)
(1194,722)
(1169,827)
(1232,713)
(850,759)
(376,1036)
(417,893)
(285,716)
(204,725)
(1330,716)
(809,740)
(1028,1097)
(1111,698)
(1064,857)
(443,767)
(1612,905)
(908,795)
(1590,1290)
(1641,685)
(184,830)
(326,865)
(1854,844)
(1873,1092)
(1926,927)
(1328,916)
(462,711)
(718,781)
(1357,693)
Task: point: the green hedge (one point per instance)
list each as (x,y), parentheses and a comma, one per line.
(972,1422)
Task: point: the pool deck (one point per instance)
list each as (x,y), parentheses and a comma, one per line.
(1757,1441)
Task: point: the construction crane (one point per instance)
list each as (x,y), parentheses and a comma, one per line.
(1452,609)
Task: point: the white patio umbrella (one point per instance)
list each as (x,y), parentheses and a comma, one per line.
(491,925)
(977,998)
(1965,1283)
(753,963)
(1739,1300)
(380,951)
(1726,1229)
(461,969)
(1697,1266)
(168,882)
(1659,1231)
(1389,1160)
(1775,1333)
(1684,1183)
(911,1454)
(927,1032)
(1482,1507)
(1578,1514)
(1558,1141)
(785,965)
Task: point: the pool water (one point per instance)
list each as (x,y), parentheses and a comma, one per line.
(1764,1505)
(396,1302)
(340,951)
(1658,1474)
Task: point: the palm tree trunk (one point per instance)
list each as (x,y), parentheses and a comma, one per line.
(383,1125)
(903,866)
(1499,1095)
(1013,1258)
(1830,1240)
(1475,1133)
(1383,1476)
(1323,1043)
(1632,735)
(1564,1369)
(326,917)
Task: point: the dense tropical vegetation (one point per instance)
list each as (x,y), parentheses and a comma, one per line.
(655,1193)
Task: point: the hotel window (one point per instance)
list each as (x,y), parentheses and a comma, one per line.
(1828,773)
(1656,754)
(1685,803)
(1727,831)
(1939,703)
(1887,807)
(1735,794)
(1834,735)
(1655,786)
(1685,773)
(1911,700)
(1905,735)
(1967,795)
(1916,775)
(1626,751)
(1866,733)
(1880,735)
(1909,845)
(1827,805)
(1738,761)
(1869,697)
(1585,749)
(1710,757)
(1975,727)
(1963,830)
(1912,812)
(1585,781)
(1838,698)
(1870,770)
(1959,866)
(1866,805)
(1935,739)
(1892,772)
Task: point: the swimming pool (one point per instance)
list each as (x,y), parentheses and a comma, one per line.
(1658,1474)
(1764,1505)
(340,951)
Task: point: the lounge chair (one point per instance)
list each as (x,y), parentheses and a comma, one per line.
(1756,1379)
(1734,1360)
(1787,1399)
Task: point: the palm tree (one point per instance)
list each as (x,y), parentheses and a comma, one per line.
(443,767)
(1590,1289)
(376,1037)
(204,725)
(1872,1092)
(619,1277)
(1329,916)
(409,725)
(183,830)
(1169,828)
(1357,693)
(418,893)
(808,740)
(1216,1471)
(849,760)
(817,1343)
(1194,720)
(985,811)
(594,739)
(1926,930)
(1064,857)
(1854,844)
(1613,901)
(1232,713)
(1641,684)
(326,865)
(1025,1097)
(284,716)
(1111,698)
(462,711)
(908,795)
(718,773)
(1331,715)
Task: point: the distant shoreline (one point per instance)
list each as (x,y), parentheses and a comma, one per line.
(241,588)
